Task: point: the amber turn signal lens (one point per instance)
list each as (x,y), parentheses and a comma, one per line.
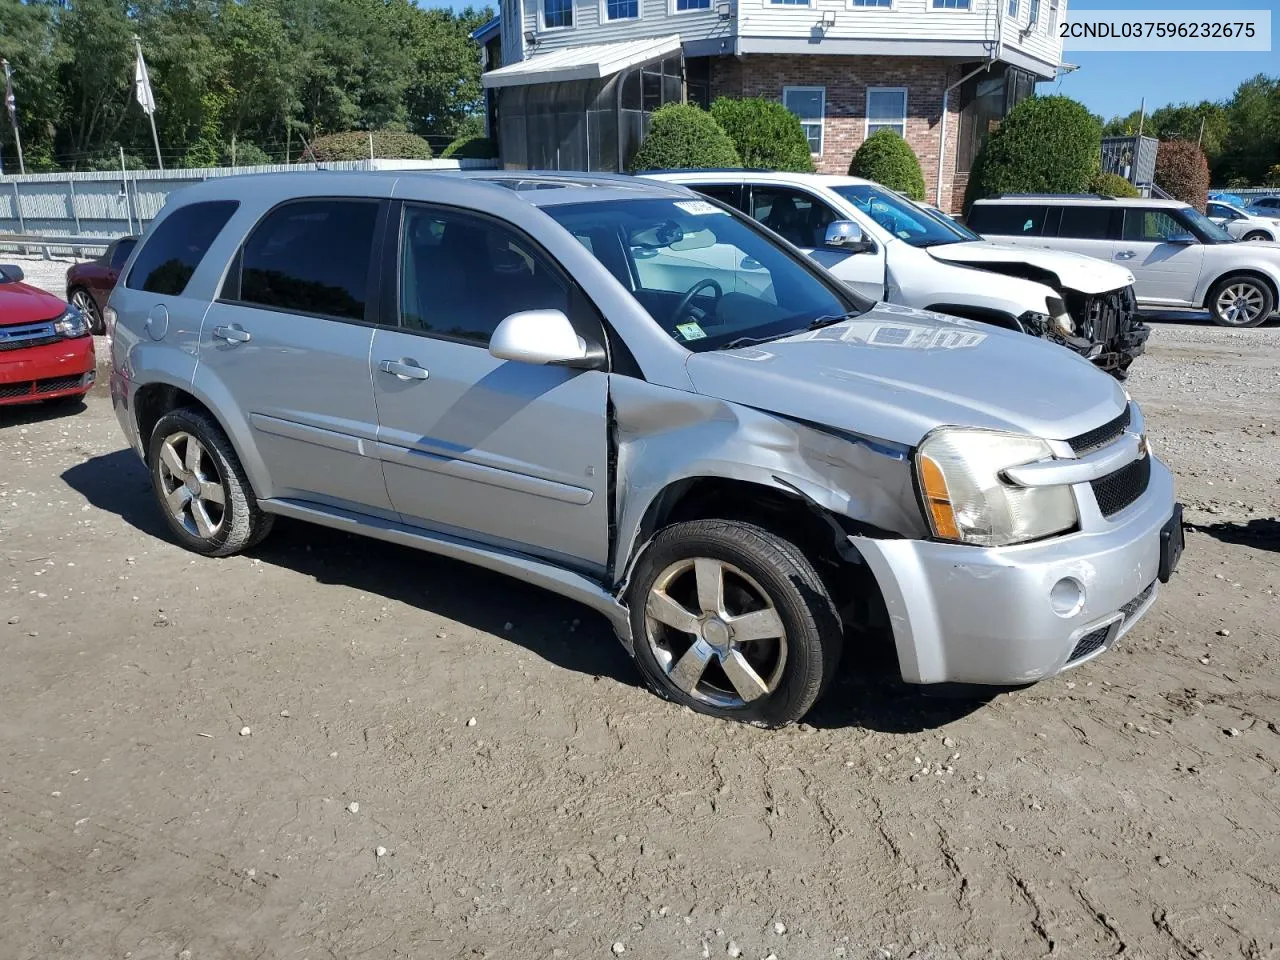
(938,500)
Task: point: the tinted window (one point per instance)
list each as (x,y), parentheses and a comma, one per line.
(461,276)
(797,216)
(311,257)
(730,193)
(1086,223)
(1008,219)
(170,255)
(120,253)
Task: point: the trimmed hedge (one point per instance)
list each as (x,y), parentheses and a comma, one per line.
(889,160)
(1113,185)
(1182,170)
(682,135)
(354,145)
(765,133)
(1044,145)
(470,148)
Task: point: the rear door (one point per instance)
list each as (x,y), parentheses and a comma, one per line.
(289,340)
(1165,272)
(511,454)
(104,280)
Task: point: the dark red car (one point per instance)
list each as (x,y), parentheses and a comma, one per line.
(46,352)
(89,284)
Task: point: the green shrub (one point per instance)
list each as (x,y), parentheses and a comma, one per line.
(765,133)
(889,160)
(354,145)
(248,154)
(1112,185)
(471,148)
(1183,171)
(1044,145)
(681,136)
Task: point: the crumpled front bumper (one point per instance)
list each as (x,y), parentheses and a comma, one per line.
(975,615)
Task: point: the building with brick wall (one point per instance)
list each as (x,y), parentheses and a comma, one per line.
(571,83)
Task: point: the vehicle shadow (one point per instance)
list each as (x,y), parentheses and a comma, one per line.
(1262,534)
(25,414)
(865,693)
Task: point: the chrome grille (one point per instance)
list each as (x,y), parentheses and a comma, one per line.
(27,335)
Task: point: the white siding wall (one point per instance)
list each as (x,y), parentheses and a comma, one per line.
(906,20)
(656,20)
(1040,42)
(512,32)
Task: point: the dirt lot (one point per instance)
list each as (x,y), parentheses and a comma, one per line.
(1130,808)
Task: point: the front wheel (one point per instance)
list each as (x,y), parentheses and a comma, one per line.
(733,621)
(1256,235)
(1241,301)
(82,301)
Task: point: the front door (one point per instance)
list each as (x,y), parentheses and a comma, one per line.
(289,340)
(1165,271)
(508,453)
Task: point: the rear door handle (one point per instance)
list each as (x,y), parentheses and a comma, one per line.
(1125,255)
(233,334)
(405,369)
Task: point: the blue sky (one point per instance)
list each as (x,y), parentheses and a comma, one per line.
(1115,83)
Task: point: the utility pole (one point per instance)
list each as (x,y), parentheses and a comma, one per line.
(12,106)
(1200,141)
(233,151)
(1142,117)
(124,182)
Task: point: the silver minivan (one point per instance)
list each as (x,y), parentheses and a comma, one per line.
(619,391)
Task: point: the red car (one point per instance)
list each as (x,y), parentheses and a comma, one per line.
(46,352)
(89,284)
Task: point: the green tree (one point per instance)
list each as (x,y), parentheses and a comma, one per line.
(1112,185)
(889,160)
(445,88)
(683,136)
(1252,144)
(765,133)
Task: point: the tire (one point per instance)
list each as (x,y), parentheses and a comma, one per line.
(83,301)
(1240,301)
(1256,235)
(760,575)
(198,521)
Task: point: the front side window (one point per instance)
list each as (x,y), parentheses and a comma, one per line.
(899,216)
(621,9)
(709,278)
(1007,219)
(557,14)
(887,110)
(462,275)
(1223,211)
(797,216)
(171,254)
(810,105)
(312,257)
(1152,226)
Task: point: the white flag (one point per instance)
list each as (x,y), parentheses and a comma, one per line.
(142,85)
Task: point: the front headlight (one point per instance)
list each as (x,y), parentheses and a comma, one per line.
(966,499)
(1060,318)
(71,324)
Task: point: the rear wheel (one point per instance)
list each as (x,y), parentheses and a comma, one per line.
(1241,301)
(733,621)
(1257,235)
(82,301)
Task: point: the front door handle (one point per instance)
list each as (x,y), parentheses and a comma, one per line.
(405,369)
(1125,255)
(233,334)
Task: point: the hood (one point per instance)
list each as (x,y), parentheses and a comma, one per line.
(20,303)
(1074,271)
(895,373)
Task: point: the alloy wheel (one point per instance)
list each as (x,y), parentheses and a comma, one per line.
(84,303)
(1240,303)
(715,632)
(191,486)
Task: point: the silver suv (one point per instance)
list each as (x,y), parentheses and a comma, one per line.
(624,393)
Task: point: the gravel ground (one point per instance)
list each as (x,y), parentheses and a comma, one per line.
(204,758)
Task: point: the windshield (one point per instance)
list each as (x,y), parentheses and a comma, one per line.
(900,217)
(1209,231)
(709,278)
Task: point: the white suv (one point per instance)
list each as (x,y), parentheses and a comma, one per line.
(887,248)
(1180,257)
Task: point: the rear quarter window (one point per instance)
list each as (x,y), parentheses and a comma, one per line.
(171,254)
(1007,219)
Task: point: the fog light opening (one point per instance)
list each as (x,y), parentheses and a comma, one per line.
(1067,597)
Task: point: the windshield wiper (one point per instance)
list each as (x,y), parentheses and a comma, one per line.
(817,324)
(821,322)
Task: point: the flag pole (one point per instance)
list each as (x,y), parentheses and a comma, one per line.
(13,115)
(151,114)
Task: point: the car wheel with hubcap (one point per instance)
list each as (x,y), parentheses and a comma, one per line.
(733,621)
(1257,235)
(82,301)
(1241,302)
(200,486)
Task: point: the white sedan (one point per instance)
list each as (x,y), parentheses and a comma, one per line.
(1244,225)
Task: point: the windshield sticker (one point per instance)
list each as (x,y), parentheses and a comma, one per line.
(699,208)
(691,331)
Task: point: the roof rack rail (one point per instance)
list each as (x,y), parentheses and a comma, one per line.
(1053,196)
(641,173)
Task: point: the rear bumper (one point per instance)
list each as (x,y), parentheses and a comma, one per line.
(985,616)
(61,369)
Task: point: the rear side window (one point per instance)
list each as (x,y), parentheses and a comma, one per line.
(730,193)
(121,252)
(311,256)
(1008,219)
(1088,223)
(171,254)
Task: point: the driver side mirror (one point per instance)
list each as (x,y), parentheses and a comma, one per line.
(12,272)
(1182,239)
(544,338)
(847,237)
